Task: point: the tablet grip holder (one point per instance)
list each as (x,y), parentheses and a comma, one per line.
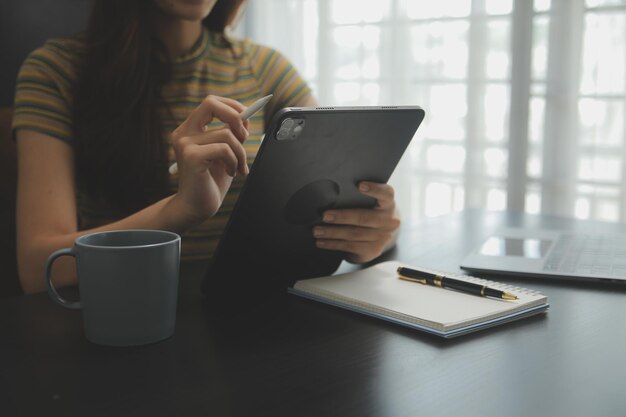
(306,206)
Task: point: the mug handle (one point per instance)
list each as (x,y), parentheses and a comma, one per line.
(72,305)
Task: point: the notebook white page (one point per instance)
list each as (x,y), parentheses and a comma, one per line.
(378,289)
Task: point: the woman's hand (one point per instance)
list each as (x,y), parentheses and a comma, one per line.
(362,233)
(208,160)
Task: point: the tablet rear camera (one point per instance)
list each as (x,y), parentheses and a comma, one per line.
(290,129)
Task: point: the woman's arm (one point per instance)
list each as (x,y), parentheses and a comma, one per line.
(46,202)
(46,210)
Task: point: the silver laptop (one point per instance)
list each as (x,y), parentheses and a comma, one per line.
(549,253)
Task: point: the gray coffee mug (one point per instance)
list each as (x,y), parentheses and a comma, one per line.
(128,285)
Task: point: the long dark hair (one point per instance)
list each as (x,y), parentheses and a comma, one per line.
(120,151)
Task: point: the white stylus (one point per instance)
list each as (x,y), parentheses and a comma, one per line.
(245,115)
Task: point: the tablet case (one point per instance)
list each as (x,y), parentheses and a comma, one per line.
(268,242)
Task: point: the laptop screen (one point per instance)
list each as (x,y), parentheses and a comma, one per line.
(524,247)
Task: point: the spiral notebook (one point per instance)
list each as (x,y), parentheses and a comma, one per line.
(377,291)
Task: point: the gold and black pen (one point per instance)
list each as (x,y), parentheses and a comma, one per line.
(443,281)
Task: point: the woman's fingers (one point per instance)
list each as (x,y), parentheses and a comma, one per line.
(231,102)
(201,156)
(353,233)
(225,109)
(383,193)
(200,148)
(207,159)
(357,217)
(362,250)
(362,233)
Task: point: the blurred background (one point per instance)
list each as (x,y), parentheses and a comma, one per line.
(525,100)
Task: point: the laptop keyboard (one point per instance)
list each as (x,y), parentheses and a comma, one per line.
(601,255)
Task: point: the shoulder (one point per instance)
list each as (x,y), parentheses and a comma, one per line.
(44,88)
(259,53)
(264,60)
(56,58)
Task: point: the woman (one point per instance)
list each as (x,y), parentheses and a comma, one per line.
(100,116)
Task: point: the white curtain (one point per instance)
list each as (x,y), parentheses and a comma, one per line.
(525,100)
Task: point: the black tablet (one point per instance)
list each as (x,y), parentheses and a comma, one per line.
(311,159)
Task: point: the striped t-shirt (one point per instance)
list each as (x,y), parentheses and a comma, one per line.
(238,69)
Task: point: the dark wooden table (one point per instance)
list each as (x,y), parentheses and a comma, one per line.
(307,359)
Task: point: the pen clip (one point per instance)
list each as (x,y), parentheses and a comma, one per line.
(421,281)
